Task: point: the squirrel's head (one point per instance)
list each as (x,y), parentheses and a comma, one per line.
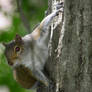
(14,49)
(24,50)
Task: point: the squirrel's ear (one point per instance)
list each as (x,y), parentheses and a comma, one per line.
(18,38)
(4,44)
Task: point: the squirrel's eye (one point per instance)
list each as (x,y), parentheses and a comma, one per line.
(17,49)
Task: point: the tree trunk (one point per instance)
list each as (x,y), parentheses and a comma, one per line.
(70,63)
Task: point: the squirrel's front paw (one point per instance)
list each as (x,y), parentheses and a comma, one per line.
(60,5)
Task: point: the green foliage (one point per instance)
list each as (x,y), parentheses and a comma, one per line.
(34,11)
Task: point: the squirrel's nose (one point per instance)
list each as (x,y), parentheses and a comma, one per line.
(10,63)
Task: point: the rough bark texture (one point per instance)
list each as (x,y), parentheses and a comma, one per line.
(72,70)
(77,46)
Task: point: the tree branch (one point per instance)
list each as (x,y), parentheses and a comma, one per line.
(22,16)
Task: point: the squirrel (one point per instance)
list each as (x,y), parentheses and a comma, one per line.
(27,55)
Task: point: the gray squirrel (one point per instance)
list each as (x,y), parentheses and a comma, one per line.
(27,55)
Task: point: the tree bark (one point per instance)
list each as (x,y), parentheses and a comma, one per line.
(70,64)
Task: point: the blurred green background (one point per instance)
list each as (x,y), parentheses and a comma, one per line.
(10,24)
